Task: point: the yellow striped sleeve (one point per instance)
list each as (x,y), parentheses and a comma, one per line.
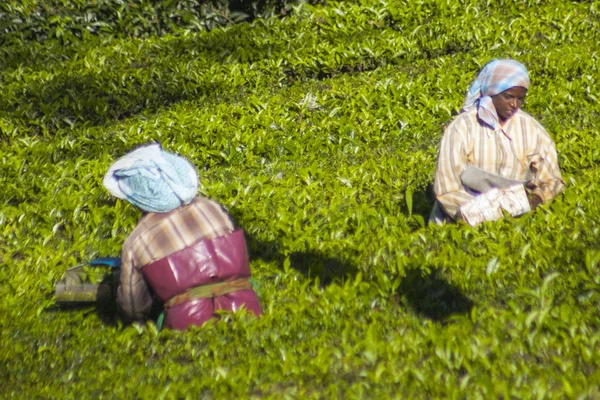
(548,180)
(452,161)
(133,294)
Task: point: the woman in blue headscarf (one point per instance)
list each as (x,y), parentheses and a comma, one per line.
(185,250)
(495,156)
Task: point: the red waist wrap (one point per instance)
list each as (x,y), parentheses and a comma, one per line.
(221,259)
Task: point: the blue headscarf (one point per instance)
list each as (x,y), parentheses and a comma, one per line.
(495,77)
(152,179)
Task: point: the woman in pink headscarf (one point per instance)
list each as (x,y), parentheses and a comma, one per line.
(494,156)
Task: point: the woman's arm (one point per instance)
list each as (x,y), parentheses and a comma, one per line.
(133,296)
(451,163)
(543,162)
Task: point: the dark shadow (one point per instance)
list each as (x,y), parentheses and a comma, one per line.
(105,304)
(423,202)
(95,100)
(309,263)
(327,269)
(432,296)
(106,311)
(132,86)
(105,307)
(39,47)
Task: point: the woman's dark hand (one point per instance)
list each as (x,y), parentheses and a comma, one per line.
(530,185)
(534,201)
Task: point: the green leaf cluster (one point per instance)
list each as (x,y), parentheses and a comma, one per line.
(319,133)
(70,21)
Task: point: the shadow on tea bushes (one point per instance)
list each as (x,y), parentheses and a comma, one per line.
(106,312)
(71,21)
(431,296)
(96,98)
(311,264)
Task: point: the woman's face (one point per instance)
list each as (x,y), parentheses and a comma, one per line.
(508,102)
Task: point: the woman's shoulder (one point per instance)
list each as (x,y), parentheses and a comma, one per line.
(461,120)
(525,118)
(205,202)
(532,126)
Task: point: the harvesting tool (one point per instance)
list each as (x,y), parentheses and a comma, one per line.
(95,281)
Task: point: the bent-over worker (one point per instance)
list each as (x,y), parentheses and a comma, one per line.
(185,248)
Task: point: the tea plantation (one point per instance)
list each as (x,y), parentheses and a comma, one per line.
(318,131)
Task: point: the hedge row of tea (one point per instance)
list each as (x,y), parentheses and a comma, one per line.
(318,133)
(70,21)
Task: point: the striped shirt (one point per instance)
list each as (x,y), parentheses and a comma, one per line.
(520,148)
(159,235)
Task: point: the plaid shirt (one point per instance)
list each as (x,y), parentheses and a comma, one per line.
(511,151)
(159,235)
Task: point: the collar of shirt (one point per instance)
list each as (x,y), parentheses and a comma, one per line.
(505,128)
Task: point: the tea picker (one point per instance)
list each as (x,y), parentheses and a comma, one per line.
(185,251)
(494,157)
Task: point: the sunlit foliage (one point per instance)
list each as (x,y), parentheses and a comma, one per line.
(318,132)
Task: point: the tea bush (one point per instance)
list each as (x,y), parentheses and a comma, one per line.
(318,132)
(74,20)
